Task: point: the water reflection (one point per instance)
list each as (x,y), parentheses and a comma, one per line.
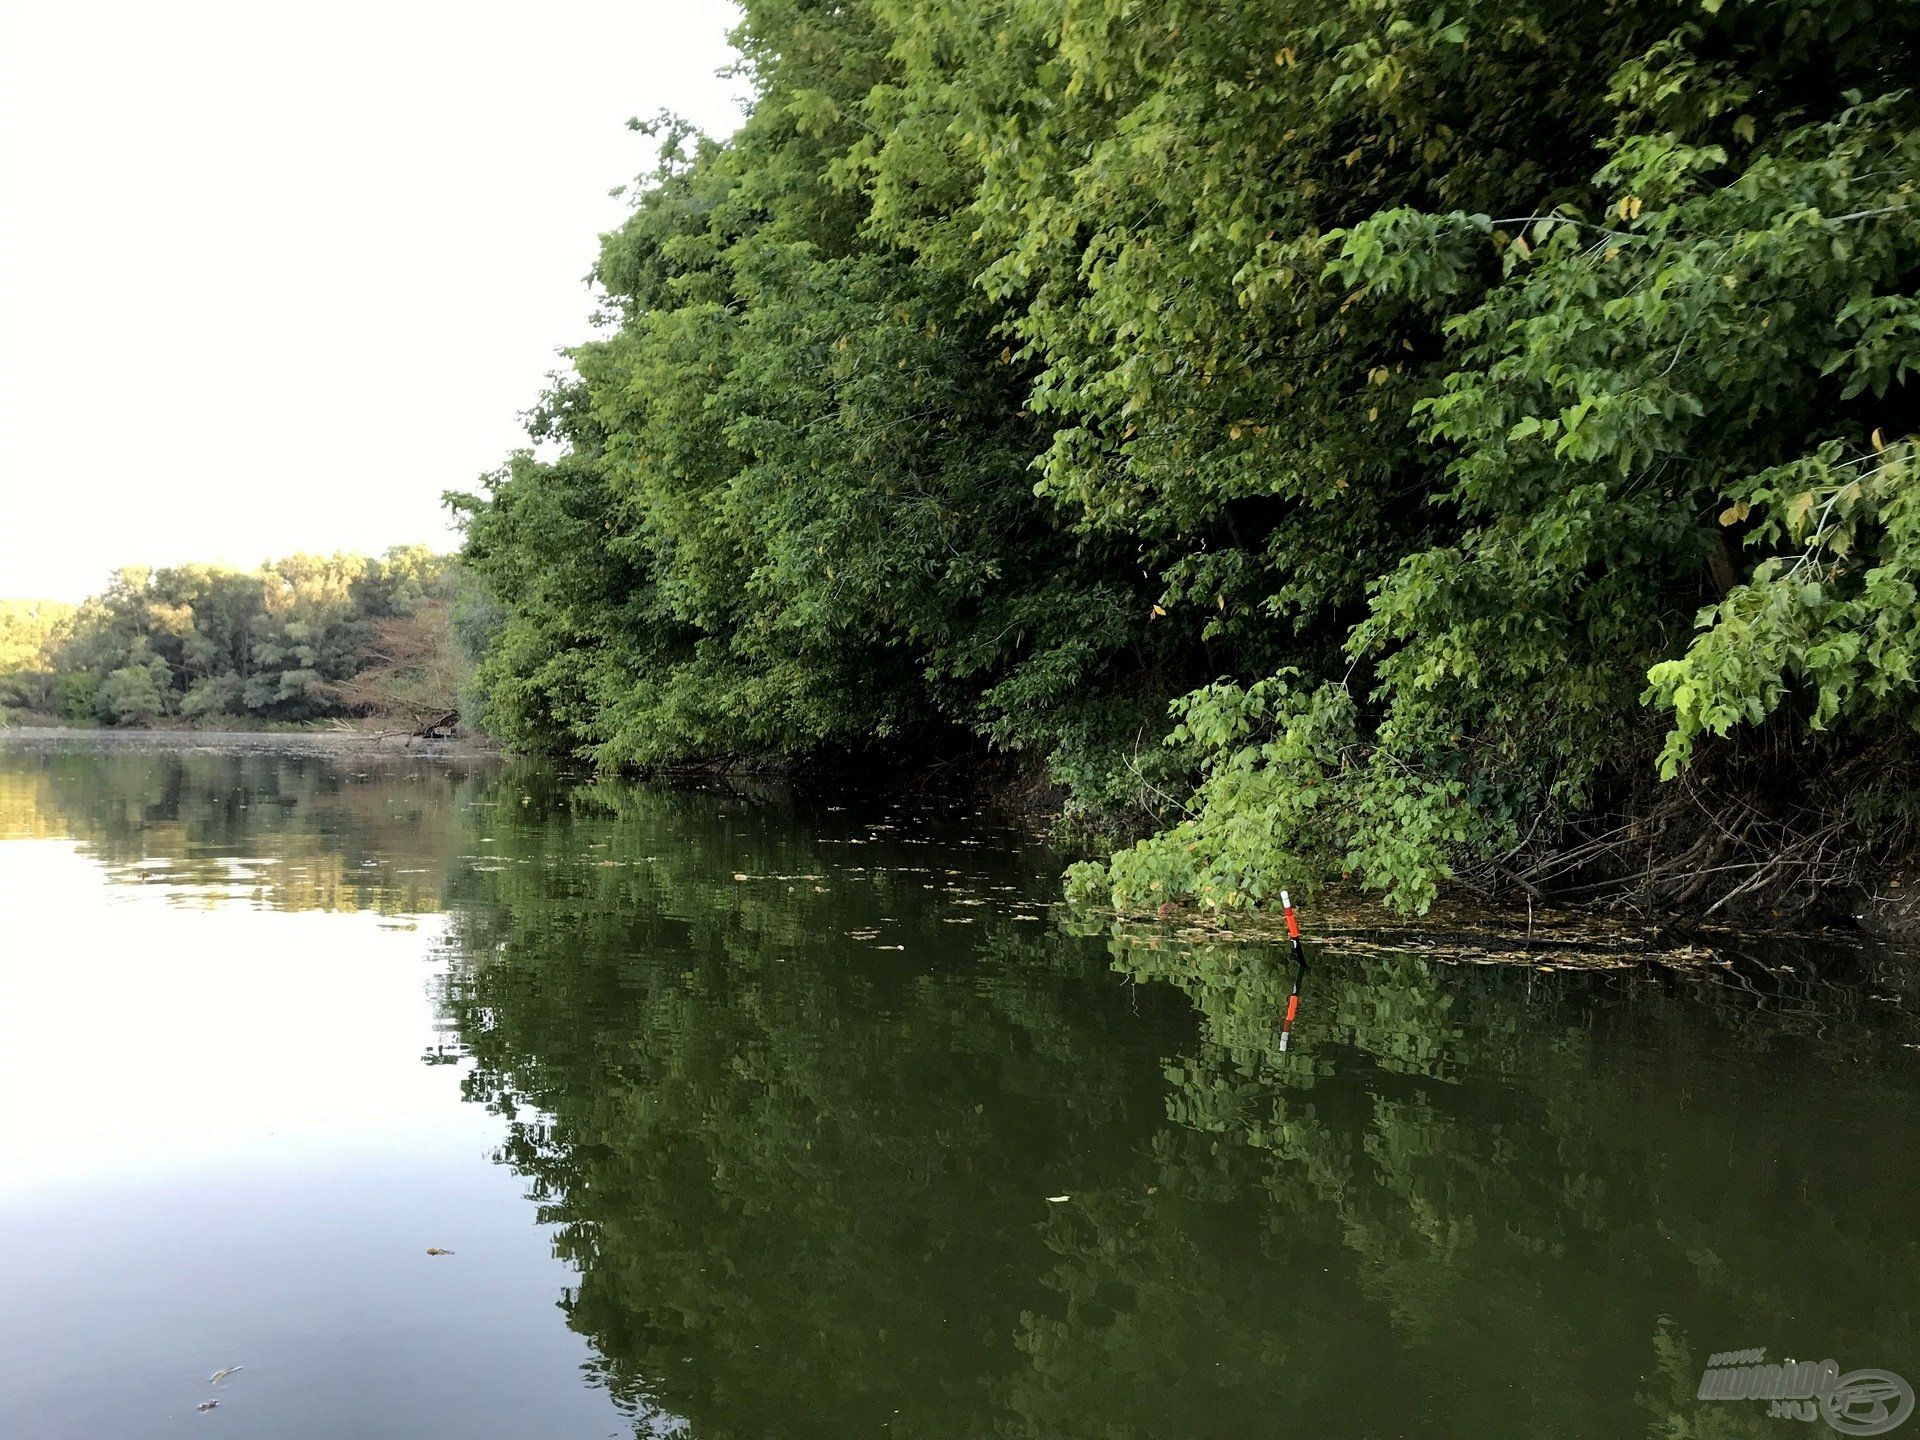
(283,825)
(806,1182)
(840,1129)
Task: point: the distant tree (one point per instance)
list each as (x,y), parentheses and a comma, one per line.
(76,695)
(30,631)
(412,668)
(135,693)
(284,642)
(215,695)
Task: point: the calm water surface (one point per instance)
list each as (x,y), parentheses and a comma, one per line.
(753,1116)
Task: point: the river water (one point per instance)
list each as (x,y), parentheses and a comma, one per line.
(758,1115)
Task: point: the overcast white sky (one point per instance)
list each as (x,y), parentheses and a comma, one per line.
(273,276)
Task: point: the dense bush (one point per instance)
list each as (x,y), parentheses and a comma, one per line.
(1361,438)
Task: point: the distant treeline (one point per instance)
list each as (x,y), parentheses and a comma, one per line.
(300,639)
(1361,437)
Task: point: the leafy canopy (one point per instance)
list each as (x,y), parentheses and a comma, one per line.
(1349,437)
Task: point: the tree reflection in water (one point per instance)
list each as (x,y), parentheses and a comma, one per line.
(804,1176)
(797,1087)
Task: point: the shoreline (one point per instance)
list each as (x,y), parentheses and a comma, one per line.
(329,741)
(1891,918)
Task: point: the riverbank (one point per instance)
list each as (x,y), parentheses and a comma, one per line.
(320,741)
(1463,927)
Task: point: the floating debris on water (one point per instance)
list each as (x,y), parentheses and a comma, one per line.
(1447,935)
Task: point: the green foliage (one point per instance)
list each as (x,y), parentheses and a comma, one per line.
(77,695)
(30,632)
(213,695)
(1367,401)
(299,639)
(1834,623)
(792,509)
(1619,384)
(135,693)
